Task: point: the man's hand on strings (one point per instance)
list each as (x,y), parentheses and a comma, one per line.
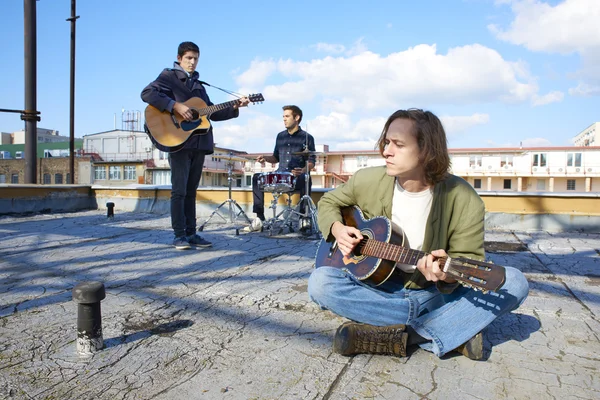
(242,102)
(429,266)
(347,237)
(183,111)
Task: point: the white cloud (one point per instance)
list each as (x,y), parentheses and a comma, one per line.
(457,124)
(256,75)
(568,27)
(585,90)
(256,134)
(571,26)
(340,132)
(465,75)
(329,48)
(551,97)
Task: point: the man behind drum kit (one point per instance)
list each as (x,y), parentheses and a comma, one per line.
(291,140)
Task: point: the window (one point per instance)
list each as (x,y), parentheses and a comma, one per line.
(2,178)
(570,184)
(477,183)
(539,160)
(162,155)
(47,179)
(507,184)
(362,161)
(114,172)
(506,161)
(58,179)
(47,154)
(573,159)
(129,173)
(100,173)
(541,184)
(19,154)
(248,180)
(14,178)
(475,161)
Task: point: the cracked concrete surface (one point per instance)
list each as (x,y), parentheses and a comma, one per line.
(235,322)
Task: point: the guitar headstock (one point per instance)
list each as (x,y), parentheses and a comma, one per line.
(256,98)
(477,274)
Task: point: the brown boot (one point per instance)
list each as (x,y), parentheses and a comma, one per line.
(473,348)
(354,338)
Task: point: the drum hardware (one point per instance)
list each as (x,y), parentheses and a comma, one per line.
(305,210)
(231,204)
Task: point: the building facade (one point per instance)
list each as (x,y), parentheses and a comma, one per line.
(536,169)
(590,136)
(128,157)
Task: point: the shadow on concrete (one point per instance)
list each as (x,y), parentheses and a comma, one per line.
(148,329)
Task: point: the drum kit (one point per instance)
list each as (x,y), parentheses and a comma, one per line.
(235,211)
(280,183)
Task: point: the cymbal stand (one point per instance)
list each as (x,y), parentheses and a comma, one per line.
(231,205)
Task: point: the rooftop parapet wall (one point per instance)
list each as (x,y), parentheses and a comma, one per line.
(504,210)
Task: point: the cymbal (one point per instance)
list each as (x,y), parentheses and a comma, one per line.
(230,157)
(307,153)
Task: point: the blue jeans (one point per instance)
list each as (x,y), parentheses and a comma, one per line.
(186,170)
(446,320)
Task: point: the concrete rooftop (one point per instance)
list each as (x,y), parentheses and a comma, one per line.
(235,321)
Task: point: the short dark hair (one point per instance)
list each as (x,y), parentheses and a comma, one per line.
(431,138)
(295,111)
(184,47)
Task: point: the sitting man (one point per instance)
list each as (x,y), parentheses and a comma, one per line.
(439,214)
(291,140)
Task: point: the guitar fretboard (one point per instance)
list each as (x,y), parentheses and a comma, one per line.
(217,107)
(393,252)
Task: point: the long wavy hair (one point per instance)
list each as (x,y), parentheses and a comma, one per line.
(431,138)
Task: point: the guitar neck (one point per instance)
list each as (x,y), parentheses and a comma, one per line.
(217,107)
(394,252)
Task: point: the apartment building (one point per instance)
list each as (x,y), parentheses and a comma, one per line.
(535,169)
(128,157)
(590,136)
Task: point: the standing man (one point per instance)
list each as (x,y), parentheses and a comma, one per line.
(440,214)
(167,93)
(291,140)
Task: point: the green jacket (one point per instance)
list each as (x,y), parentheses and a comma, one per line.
(455,223)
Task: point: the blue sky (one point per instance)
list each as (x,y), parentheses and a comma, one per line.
(498,72)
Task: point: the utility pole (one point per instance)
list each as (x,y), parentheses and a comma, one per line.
(30,114)
(73,19)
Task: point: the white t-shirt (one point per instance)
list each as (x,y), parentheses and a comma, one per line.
(409,215)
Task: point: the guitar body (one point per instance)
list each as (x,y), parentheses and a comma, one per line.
(370,270)
(374,258)
(169,133)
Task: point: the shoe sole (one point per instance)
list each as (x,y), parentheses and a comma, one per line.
(183,247)
(345,347)
(202,245)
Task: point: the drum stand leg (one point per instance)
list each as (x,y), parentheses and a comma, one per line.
(308,217)
(275,220)
(232,205)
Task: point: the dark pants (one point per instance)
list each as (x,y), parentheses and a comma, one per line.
(186,170)
(258,195)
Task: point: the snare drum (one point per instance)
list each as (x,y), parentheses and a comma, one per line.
(276,182)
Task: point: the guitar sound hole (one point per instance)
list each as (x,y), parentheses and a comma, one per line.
(195,115)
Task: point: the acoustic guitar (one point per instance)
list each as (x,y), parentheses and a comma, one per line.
(169,132)
(374,259)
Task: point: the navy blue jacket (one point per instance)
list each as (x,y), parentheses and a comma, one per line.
(171,86)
